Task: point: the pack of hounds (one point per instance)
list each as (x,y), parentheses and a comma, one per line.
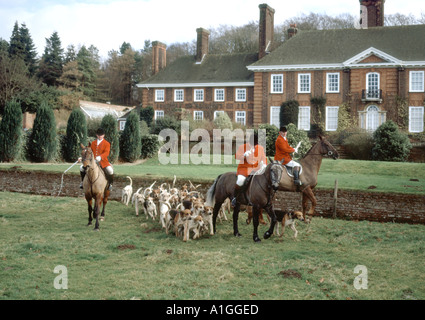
(183,211)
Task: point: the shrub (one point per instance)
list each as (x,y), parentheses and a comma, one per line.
(294,136)
(130,144)
(289,112)
(42,145)
(223,121)
(390,143)
(359,145)
(150,146)
(110,125)
(11,132)
(146,114)
(76,133)
(166,122)
(272,132)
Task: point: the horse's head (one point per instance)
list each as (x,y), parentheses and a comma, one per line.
(276,170)
(326,149)
(86,155)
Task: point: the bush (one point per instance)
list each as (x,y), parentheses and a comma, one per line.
(11,132)
(223,121)
(147,114)
(166,122)
(42,145)
(130,144)
(272,132)
(150,146)
(289,112)
(110,125)
(359,145)
(76,133)
(294,136)
(390,143)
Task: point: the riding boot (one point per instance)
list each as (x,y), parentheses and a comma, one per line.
(236,193)
(110,179)
(297,180)
(82,174)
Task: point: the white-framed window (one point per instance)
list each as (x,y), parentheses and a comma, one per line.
(240,117)
(159,114)
(275,116)
(240,95)
(178,95)
(217,112)
(198,95)
(304,83)
(416,81)
(198,115)
(332,83)
(276,83)
(159,95)
(372,118)
(219,95)
(332,118)
(304,118)
(416,119)
(122,125)
(372,85)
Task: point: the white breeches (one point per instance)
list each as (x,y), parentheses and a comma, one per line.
(108,169)
(292,164)
(241,180)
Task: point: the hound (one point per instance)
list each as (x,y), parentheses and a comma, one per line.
(207,216)
(169,220)
(133,198)
(288,219)
(150,208)
(180,221)
(195,224)
(164,208)
(139,199)
(127,192)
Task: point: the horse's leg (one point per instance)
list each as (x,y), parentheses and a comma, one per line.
(236,210)
(105,201)
(217,207)
(90,209)
(98,204)
(273,219)
(310,195)
(256,220)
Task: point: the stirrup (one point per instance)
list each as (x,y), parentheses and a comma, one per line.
(110,187)
(81,185)
(233,202)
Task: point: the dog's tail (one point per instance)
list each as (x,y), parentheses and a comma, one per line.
(210,201)
(131,181)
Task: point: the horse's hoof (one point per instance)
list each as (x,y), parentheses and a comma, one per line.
(267,235)
(102,218)
(257,239)
(237,234)
(96,229)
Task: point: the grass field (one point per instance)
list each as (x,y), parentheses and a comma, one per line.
(132,258)
(351,174)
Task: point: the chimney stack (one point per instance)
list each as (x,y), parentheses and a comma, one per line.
(202,44)
(266,29)
(371,13)
(292,31)
(159,56)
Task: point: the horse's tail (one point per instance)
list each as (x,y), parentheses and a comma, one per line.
(210,201)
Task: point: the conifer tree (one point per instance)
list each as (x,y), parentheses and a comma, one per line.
(51,65)
(11,132)
(130,144)
(42,145)
(76,133)
(110,125)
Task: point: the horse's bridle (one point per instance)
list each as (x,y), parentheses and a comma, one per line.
(84,159)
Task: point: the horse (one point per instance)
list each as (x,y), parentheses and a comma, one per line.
(259,191)
(310,163)
(94,186)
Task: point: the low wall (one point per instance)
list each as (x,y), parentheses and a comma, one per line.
(353,205)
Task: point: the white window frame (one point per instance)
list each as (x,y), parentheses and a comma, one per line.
(199,92)
(304,124)
(240,95)
(178,95)
(276,83)
(371,85)
(304,79)
(159,95)
(198,115)
(216,94)
(159,114)
(330,84)
(331,119)
(273,111)
(240,117)
(412,85)
(416,119)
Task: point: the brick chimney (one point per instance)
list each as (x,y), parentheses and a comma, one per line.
(266,29)
(292,31)
(202,44)
(371,13)
(159,56)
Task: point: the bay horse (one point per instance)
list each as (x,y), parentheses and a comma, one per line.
(310,163)
(94,186)
(258,193)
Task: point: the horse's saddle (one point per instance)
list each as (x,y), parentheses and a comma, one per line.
(290,170)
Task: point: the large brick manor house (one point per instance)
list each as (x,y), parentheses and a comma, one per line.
(372,69)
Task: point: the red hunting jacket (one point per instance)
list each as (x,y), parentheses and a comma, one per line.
(283,150)
(250,163)
(102,150)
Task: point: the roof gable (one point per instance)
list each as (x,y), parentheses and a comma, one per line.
(372,56)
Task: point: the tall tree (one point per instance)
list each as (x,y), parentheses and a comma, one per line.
(11,132)
(51,65)
(76,133)
(30,53)
(87,69)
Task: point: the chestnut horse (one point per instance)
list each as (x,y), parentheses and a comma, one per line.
(258,193)
(94,186)
(311,163)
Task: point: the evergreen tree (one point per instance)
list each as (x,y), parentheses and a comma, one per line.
(16,47)
(42,145)
(76,133)
(11,132)
(130,144)
(51,65)
(110,125)
(30,54)
(86,68)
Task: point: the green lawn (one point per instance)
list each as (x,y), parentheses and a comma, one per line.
(351,174)
(132,258)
